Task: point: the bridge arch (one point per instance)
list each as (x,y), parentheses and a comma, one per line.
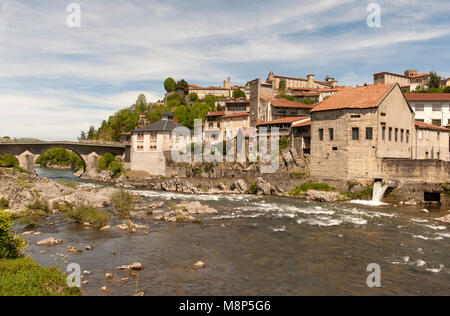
(90,153)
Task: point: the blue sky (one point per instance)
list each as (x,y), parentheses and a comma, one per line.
(56,80)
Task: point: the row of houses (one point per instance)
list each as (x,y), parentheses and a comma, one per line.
(347,131)
(409,81)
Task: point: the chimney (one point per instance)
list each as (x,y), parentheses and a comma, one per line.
(310,81)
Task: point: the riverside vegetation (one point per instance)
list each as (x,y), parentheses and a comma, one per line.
(20,276)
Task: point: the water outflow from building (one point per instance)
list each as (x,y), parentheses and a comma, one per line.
(379,189)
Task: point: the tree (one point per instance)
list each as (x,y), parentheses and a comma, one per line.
(170,85)
(435,80)
(238,93)
(193,97)
(141,103)
(446,90)
(82,135)
(307,101)
(282,86)
(91,132)
(182,85)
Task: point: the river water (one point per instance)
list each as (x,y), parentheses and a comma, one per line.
(261,246)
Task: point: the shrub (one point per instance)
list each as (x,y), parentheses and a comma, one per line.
(446,188)
(446,90)
(39,205)
(311,186)
(4,204)
(284,143)
(10,246)
(116,168)
(253,188)
(24,277)
(123,203)
(238,93)
(8,161)
(88,214)
(105,161)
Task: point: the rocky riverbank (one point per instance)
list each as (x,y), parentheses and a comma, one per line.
(19,190)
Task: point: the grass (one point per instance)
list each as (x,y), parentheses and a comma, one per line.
(305,187)
(40,205)
(24,277)
(123,203)
(88,214)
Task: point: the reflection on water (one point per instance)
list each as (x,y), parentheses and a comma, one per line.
(265,246)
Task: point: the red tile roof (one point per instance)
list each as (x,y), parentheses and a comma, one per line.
(427,96)
(420,75)
(304,123)
(423,125)
(236,115)
(358,98)
(283,103)
(220,113)
(286,120)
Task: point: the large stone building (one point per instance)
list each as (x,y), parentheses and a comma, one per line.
(409,81)
(431,108)
(353,130)
(292,82)
(226,91)
(149,143)
(274,109)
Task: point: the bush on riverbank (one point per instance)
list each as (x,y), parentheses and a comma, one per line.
(39,206)
(123,203)
(305,187)
(24,277)
(88,214)
(9,161)
(10,246)
(108,162)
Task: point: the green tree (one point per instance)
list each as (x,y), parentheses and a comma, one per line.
(308,101)
(282,86)
(141,103)
(91,132)
(82,135)
(435,80)
(10,245)
(238,93)
(446,90)
(193,97)
(170,85)
(182,85)
(105,161)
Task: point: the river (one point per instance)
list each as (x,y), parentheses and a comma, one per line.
(261,246)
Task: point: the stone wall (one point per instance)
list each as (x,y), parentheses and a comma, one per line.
(429,171)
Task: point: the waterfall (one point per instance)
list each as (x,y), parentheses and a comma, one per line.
(379,190)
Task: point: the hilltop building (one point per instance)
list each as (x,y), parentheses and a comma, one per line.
(409,81)
(292,82)
(226,91)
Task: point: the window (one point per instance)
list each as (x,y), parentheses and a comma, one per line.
(140,148)
(383,114)
(321,133)
(153,137)
(407,136)
(420,120)
(331,132)
(355,116)
(355,133)
(436,122)
(369,133)
(390,134)
(402,135)
(396,134)
(140,137)
(153,147)
(383,133)
(437,107)
(419,108)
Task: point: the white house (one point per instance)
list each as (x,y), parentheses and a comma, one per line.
(431,108)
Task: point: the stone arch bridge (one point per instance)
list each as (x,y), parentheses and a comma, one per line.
(90,152)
